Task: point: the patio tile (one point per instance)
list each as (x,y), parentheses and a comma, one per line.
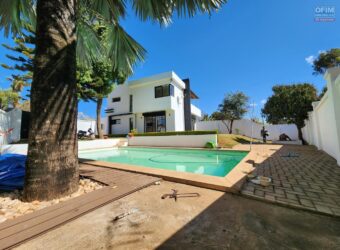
(310,181)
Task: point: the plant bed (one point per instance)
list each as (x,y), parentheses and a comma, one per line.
(11,205)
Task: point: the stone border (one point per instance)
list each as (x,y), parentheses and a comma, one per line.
(232,182)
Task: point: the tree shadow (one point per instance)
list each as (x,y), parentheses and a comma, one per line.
(236,222)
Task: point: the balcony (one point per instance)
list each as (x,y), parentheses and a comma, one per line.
(195,111)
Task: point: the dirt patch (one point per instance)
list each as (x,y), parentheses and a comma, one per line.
(12,207)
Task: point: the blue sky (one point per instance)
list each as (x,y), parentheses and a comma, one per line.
(249,45)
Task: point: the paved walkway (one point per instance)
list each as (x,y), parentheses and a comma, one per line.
(302,177)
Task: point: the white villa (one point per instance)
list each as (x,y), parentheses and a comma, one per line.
(157,103)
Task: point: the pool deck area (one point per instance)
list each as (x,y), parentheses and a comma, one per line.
(302,177)
(232,182)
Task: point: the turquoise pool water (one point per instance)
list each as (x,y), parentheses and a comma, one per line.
(216,163)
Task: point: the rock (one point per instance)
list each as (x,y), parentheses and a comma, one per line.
(35,202)
(2,218)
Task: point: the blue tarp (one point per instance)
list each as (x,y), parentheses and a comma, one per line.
(12,171)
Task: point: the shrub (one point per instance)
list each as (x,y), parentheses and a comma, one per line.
(116,135)
(210,144)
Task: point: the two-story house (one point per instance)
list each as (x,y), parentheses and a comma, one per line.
(153,104)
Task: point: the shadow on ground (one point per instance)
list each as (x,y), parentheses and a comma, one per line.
(233,222)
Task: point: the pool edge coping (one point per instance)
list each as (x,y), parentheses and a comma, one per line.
(232,182)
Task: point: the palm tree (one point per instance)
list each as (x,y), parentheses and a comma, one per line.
(52,164)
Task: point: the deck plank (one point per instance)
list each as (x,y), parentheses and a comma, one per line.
(16,231)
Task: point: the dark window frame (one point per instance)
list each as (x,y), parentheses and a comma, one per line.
(115,121)
(169,88)
(116,99)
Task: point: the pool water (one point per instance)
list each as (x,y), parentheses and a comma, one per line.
(207,162)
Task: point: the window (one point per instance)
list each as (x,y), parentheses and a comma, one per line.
(131,103)
(115,121)
(155,122)
(116,99)
(164,90)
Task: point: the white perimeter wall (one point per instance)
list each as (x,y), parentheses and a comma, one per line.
(8,120)
(323,125)
(82,145)
(244,127)
(86,124)
(191,141)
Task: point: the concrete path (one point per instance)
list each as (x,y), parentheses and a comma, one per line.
(215,220)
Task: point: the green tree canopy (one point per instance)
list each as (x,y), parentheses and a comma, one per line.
(233,107)
(8,98)
(22,54)
(326,60)
(290,104)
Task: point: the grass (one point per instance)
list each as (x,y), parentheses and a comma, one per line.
(230,140)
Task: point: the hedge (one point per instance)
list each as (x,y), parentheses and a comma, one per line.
(212,132)
(116,135)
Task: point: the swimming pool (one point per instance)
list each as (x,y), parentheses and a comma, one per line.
(206,162)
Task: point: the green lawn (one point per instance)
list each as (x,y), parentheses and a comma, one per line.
(230,140)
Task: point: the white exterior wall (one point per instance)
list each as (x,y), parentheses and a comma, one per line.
(84,125)
(191,141)
(323,125)
(82,145)
(177,104)
(144,98)
(8,120)
(143,92)
(121,107)
(244,127)
(123,127)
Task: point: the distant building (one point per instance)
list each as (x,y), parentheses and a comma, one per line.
(157,103)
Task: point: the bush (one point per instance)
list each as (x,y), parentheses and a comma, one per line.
(116,135)
(212,132)
(210,144)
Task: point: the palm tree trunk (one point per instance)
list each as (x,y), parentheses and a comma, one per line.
(99,108)
(52,163)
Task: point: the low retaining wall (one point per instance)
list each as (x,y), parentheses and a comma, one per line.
(82,145)
(190,141)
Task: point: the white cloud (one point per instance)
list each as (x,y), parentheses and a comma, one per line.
(321,51)
(310,59)
(263,101)
(253,104)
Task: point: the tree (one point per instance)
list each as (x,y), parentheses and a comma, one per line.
(8,98)
(52,163)
(95,84)
(233,107)
(290,104)
(23,59)
(326,60)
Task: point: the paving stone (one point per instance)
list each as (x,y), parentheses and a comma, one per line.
(269,197)
(307,203)
(311,181)
(323,209)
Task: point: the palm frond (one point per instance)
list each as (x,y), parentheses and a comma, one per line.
(15,14)
(89,47)
(124,51)
(108,9)
(163,10)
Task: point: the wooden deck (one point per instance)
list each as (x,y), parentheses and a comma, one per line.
(120,184)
